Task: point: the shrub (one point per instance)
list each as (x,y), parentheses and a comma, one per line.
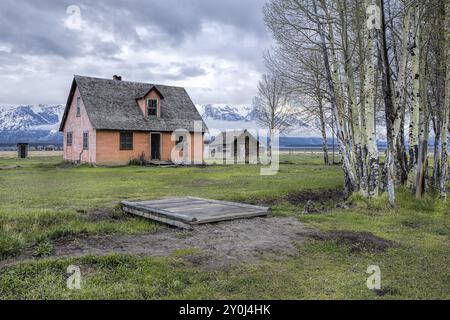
(138,161)
(117,212)
(10,244)
(43,249)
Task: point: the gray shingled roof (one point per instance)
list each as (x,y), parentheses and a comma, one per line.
(112,105)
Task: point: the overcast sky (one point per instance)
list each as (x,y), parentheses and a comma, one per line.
(213,48)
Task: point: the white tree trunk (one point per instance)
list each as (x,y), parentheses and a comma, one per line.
(369,108)
(394,106)
(423,136)
(416,103)
(355,118)
(445,123)
(336,103)
(343,133)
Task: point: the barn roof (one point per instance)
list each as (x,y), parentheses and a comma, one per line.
(230,136)
(112,105)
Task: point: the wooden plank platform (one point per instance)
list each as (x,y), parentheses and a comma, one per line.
(160,163)
(188,212)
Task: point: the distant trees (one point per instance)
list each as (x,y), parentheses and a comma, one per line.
(369,64)
(271,107)
(304,78)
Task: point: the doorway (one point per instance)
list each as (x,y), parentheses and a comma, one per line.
(247,149)
(23,152)
(235,148)
(155,146)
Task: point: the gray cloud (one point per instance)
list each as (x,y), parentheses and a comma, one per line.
(192,71)
(157,41)
(35,30)
(106,50)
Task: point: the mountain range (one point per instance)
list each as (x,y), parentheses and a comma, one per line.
(227,113)
(224,113)
(40,123)
(31,123)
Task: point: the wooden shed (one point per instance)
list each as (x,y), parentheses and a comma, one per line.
(236,146)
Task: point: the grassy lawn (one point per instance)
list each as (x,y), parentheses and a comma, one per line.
(42,199)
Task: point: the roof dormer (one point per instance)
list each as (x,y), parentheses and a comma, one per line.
(150,103)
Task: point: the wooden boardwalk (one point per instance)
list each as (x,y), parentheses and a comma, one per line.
(187,212)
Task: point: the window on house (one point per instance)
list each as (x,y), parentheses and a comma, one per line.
(85,140)
(78,106)
(152,107)
(126,141)
(69,139)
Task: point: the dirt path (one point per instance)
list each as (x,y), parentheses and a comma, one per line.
(219,245)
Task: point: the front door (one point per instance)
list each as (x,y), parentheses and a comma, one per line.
(156,146)
(23,152)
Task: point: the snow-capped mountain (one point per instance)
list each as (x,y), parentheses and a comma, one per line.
(224,113)
(251,115)
(30,123)
(245,114)
(225,117)
(40,123)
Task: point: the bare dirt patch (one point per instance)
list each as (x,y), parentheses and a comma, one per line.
(320,196)
(218,245)
(357,241)
(104,214)
(322,199)
(386,291)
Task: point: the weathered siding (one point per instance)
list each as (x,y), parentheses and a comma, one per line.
(78,125)
(108,147)
(166,146)
(216,149)
(168,143)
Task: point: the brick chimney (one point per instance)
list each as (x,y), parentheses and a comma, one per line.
(117,78)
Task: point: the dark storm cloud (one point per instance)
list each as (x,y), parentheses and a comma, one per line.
(181,72)
(179,18)
(191,71)
(33,27)
(106,50)
(190,38)
(35,30)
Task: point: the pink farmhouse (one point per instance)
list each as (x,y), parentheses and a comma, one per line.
(112,122)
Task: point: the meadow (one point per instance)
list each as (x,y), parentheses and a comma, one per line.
(43,200)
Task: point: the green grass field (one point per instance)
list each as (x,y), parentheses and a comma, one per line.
(43,199)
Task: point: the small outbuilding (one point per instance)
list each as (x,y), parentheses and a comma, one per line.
(22,150)
(236,146)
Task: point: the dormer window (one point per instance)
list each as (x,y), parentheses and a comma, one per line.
(152,107)
(150,103)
